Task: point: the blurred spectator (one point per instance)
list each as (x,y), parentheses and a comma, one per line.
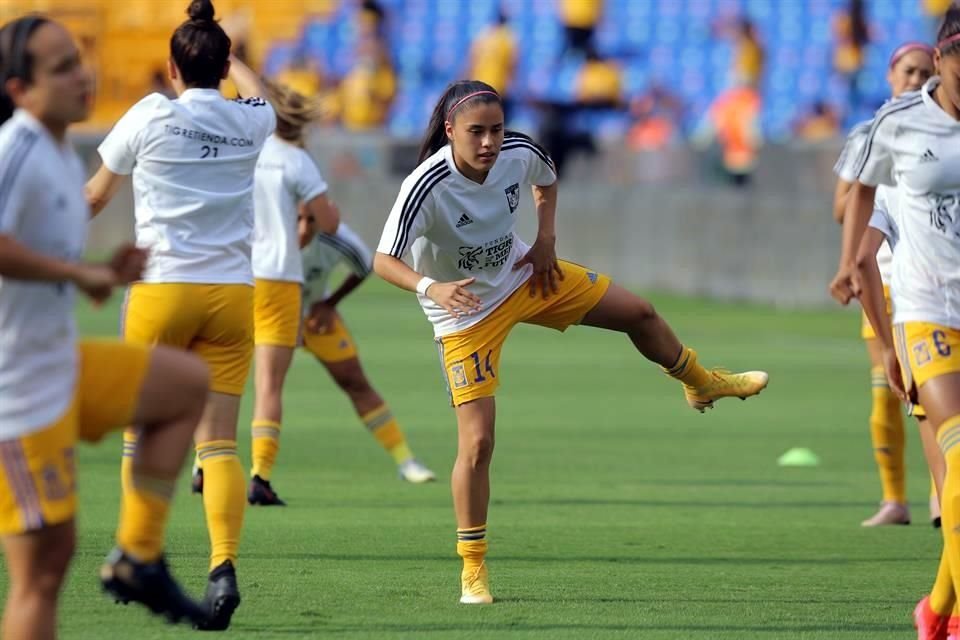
(579,19)
(749,56)
(656,118)
(733,122)
(493,56)
(934,11)
(822,123)
(159,84)
(371,20)
(302,76)
(368,89)
(853,36)
(600,80)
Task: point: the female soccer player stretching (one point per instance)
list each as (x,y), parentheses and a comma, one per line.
(56,389)
(910,66)
(476,279)
(913,145)
(193,162)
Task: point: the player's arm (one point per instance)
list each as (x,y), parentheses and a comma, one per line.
(245,79)
(323,214)
(846,284)
(101,189)
(349,284)
(543,253)
(452,296)
(840,197)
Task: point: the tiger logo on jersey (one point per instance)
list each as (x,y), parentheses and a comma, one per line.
(469,258)
(513,196)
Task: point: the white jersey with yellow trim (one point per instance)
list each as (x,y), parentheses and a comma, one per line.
(42,207)
(456,228)
(192,161)
(324,253)
(286,176)
(915,146)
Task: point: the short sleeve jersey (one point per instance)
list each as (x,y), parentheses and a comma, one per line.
(915,146)
(192,161)
(324,254)
(43,208)
(456,228)
(286,176)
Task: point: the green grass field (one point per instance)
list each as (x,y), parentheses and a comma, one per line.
(617,512)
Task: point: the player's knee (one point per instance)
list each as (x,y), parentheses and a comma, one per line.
(354,384)
(642,311)
(46,578)
(478,449)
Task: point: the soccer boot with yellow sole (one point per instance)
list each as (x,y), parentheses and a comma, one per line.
(723,384)
(475,586)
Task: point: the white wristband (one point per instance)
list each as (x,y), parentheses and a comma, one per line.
(424,284)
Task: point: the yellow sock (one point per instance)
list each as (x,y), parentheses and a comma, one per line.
(472,546)
(886,434)
(144,510)
(383,426)
(687,370)
(224,498)
(266,444)
(126,461)
(948,437)
(942,597)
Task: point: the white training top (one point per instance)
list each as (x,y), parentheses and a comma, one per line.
(286,176)
(915,146)
(846,168)
(192,161)
(884,222)
(466,230)
(322,256)
(42,207)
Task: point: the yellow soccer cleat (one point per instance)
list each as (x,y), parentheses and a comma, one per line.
(475,586)
(723,384)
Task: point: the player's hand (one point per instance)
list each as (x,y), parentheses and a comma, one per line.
(455,297)
(320,317)
(95,280)
(546,269)
(128,263)
(894,374)
(845,286)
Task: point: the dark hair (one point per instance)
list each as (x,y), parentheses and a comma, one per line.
(453,96)
(859,31)
(15,58)
(949,28)
(200,47)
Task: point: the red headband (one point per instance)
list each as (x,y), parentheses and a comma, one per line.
(467,97)
(906,48)
(948,41)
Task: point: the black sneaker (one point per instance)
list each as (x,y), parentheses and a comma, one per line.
(936,522)
(221,600)
(196,481)
(262,493)
(150,584)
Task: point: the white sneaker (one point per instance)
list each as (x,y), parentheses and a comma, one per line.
(414,472)
(889,513)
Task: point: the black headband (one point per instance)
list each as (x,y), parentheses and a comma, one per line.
(13,64)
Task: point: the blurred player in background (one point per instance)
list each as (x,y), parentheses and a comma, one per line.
(193,162)
(912,145)
(326,336)
(476,280)
(910,66)
(56,389)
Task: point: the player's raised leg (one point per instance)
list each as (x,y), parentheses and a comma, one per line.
(621,310)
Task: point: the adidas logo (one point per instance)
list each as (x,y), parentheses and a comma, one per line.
(928,156)
(464,221)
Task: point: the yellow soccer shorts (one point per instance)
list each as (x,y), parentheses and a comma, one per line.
(471,358)
(276,313)
(213,321)
(866,329)
(38,482)
(926,351)
(333,345)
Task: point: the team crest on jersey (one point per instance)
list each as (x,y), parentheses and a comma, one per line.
(469,258)
(513,196)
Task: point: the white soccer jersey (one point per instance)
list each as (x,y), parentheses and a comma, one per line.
(192,161)
(322,256)
(846,170)
(882,221)
(42,206)
(460,229)
(286,176)
(915,146)
(886,202)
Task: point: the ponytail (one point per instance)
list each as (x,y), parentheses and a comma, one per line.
(294,111)
(200,47)
(948,38)
(454,98)
(15,58)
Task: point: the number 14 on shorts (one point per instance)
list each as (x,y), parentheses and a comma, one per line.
(474,370)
